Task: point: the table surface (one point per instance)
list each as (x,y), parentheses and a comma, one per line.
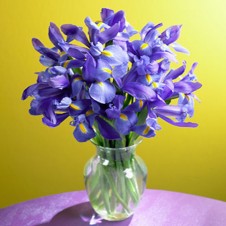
(157,208)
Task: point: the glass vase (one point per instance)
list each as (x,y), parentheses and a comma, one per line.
(115,180)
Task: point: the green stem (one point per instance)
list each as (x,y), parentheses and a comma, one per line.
(131,182)
(115,190)
(105,188)
(122,181)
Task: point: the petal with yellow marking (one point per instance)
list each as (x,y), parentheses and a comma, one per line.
(123,117)
(75,107)
(82,128)
(144,46)
(107,53)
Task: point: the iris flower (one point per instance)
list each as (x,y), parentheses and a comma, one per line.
(112,88)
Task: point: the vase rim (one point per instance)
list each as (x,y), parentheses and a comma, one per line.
(138,141)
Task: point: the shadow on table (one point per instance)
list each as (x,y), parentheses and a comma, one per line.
(80,215)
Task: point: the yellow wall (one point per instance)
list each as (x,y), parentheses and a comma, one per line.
(36,160)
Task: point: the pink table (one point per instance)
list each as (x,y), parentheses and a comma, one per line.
(157,208)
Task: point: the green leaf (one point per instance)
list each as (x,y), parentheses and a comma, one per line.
(142,115)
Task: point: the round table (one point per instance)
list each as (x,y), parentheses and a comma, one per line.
(157,208)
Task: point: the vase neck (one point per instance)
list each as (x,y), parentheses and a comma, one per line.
(108,155)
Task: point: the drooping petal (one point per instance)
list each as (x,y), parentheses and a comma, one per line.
(179,48)
(47,92)
(140,91)
(66,46)
(76,85)
(29,91)
(163,55)
(89,69)
(186,87)
(48,112)
(36,107)
(74,52)
(114,55)
(103,71)
(59,82)
(119,71)
(144,130)
(102,92)
(59,119)
(83,132)
(57,70)
(75,64)
(171,110)
(180,124)
(106,130)
(78,107)
(125,121)
(46,61)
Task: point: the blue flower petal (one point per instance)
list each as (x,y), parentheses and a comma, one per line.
(76,86)
(173,74)
(59,119)
(171,34)
(144,130)
(102,92)
(83,132)
(179,48)
(59,82)
(140,91)
(45,51)
(108,34)
(114,55)
(46,61)
(106,130)
(186,87)
(125,121)
(74,32)
(171,110)
(78,107)
(180,124)
(55,36)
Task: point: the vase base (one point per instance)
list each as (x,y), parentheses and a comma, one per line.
(113,216)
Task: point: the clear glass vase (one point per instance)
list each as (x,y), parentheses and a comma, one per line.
(115,180)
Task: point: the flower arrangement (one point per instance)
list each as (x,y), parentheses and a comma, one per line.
(115,89)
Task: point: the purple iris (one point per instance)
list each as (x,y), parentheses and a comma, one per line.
(113,89)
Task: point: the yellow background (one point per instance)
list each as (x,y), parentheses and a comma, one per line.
(36,160)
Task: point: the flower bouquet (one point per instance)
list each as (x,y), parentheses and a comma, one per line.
(114,88)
